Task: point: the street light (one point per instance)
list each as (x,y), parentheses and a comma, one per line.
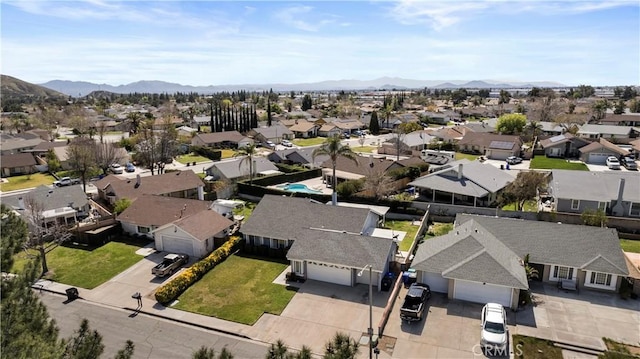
(370,329)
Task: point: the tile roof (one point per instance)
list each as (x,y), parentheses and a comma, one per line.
(283,217)
(553,243)
(150,210)
(161,184)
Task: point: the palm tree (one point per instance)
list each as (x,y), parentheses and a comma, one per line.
(534,128)
(333,148)
(249,151)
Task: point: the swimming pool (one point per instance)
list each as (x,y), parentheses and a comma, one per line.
(298,187)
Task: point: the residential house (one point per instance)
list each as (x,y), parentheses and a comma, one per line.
(238,169)
(464,182)
(323,242)
(564,145)
(225,139)
(416,141)
(297,156)
(616,134)
(304,129)
(329,130)
(597,152)
(17,164)
(482,259)
(64,205)
(448,134)
(630,119)
(179,184)
(617,193)
(22,142)
(275,134)
(186,131)
(494,146)
(347,169)
(481,126)
(437,117)
(348,125)
(551,129)
(177,225)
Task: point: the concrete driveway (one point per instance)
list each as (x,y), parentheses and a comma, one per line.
(581,318)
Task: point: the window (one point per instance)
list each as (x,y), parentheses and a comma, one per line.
(602,206)
(575,204)
(560,272)
(634,209)
(600,278)
(297,267)
(143,229)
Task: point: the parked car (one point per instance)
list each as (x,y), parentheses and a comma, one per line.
(117,169)
(629,163)
(494,336)
(286,143)
(66,181)
(270,144)
(346,135)
(170,264)
(513,160)
(613,163)
(129,167)
(414,302)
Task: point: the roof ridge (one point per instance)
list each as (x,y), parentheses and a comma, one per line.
(605,258)
(467,260)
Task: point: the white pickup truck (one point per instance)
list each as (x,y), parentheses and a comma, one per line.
(66,181)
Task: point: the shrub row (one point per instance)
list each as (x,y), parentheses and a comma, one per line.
(171,290)
(208,152)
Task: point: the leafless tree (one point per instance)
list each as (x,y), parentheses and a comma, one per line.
(107,154)
(544,110)
(101,129)
(43,237)
(378,184)
(148,145)
(81,154)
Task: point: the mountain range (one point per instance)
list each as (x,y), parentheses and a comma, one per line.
(81,88)
(12,88)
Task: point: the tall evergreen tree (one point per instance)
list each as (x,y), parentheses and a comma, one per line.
(269,118)
(374,124)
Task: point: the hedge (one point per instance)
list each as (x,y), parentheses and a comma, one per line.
(210,153)
(172,290)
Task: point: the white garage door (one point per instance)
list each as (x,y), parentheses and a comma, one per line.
(329,273)
(479,293)
(177,245)
(599,158)
(498,155)
(436,282)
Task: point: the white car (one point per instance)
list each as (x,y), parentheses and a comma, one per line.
(613,163)
(286,143)
(117,169)
(495,335)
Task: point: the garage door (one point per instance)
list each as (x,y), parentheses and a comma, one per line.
(599,158)
(479,293)
(436,282)
(498,155)
(329,273)
(177,245)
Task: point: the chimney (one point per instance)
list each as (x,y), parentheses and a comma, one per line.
(20,203)
(460,171)
(618,209)
(137,181)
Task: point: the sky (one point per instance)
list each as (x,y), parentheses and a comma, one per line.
(235,42)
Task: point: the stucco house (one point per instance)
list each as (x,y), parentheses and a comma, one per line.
(275,134)
(17,164)
(463,182)
(598,151)
(494,146)
(304,129)
(238,169)
(617,134)
(482,259)
(179,184)
(225,139)
(323,242)
(617,193)
(564,145)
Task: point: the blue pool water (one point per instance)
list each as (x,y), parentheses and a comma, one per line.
(298,187)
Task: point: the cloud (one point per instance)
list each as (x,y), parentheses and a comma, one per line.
(303,18)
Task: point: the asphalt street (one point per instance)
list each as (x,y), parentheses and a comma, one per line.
(153,337)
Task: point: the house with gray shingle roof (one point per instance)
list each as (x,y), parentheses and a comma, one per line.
(482,259)
(323,242)
(617,193)
(598,151)
(564,145)
(238,169)
(618,134)
(62,204)
(468,183)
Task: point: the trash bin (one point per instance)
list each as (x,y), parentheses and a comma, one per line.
(409,277)
(501,167)
(72,293)
(387,282)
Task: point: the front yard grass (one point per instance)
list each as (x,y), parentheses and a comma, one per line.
(529,206)
(85,268)
(239,289)
(303,142)
(620,350)
(191,157)
(364,149)
(404,226)
(227,153)
(546,163)
(470,157)
(630,245)
(534,348)
(26,181)
(438,229)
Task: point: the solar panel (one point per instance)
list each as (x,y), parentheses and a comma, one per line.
(557,138)
(501,145)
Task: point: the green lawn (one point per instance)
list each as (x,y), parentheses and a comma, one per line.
(26,181)
(529,206)
(546,163)
(534,348)
(84,268)
(239,289)
(438,229)
(246,210)
(191,157)
(630,245)
(303,142)
(470,157)
(365,149)
(404,226)
(228,153)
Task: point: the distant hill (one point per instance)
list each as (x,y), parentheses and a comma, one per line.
(80,88)
(13,89)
